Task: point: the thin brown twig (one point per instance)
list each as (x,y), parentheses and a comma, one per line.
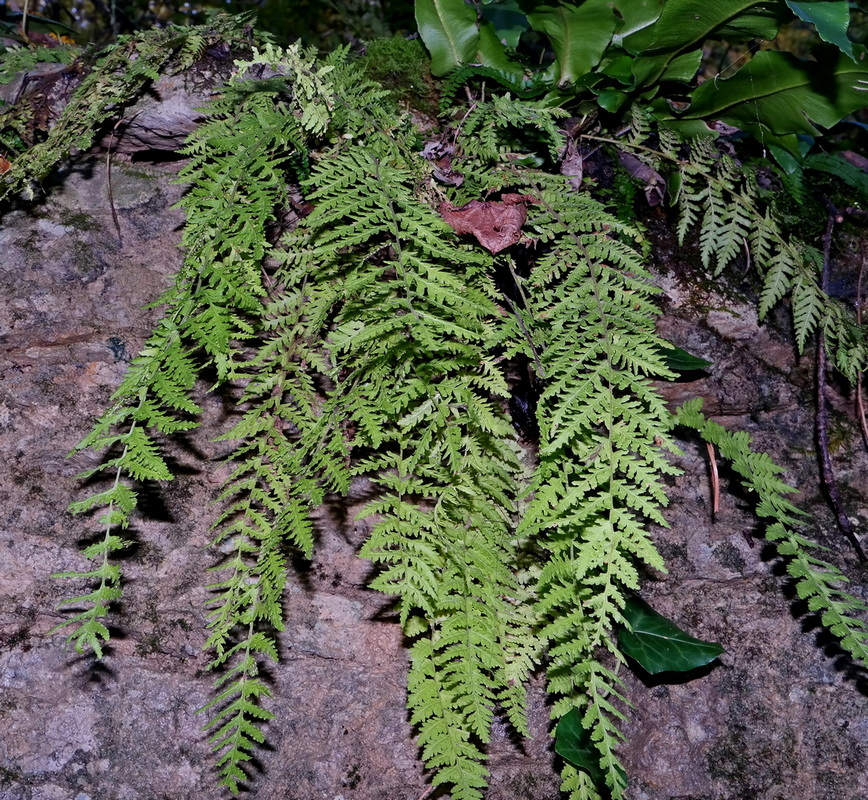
(108,177)
(108,172)
(826,471)
(715,479)
(860,401)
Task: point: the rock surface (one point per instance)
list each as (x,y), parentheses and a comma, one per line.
(779,718)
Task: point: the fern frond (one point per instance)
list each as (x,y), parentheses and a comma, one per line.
(837,166)
(817,581)
(413,374)
(238,713)
(808,304)
(122,72)
(603,436)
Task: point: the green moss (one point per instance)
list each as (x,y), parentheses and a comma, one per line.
(727,554)
(8,777)
(79,221)
(403,67)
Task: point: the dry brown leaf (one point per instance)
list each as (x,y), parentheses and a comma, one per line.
(495,223)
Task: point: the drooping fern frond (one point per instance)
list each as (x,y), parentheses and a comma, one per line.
(604,432)
(117,78)
(211,306)
(719,197)
(370,342)
(836,166)
(817,581)
(413,374)
(152,400)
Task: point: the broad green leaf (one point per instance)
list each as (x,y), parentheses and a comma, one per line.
(830,19)
(685,24)
(612,99)
(777,93)
(658,645)
(492,53)
(579,36)
(508,20)
(683,69)
(450,32)
(636,30)
(618,66)
(762,22)
(574,744)
(679,360)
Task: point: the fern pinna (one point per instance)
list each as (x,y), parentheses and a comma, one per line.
(372,343)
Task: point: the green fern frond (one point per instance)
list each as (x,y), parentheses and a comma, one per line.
(413,375)
(808,304)
(238,713)
(838,167)
(817,581)
(603,436)
(122,72)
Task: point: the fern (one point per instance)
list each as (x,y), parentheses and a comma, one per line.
(837,167)
(719,198)
(525,88)
(369,341)
(215,304)
(117,77)
(603,436)
(415,379)
(817,581)
(15,61)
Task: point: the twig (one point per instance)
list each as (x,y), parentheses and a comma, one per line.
(860,403)
(826,471)
(108,174)
(715,479)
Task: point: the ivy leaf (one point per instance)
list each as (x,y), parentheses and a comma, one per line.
(450,32)
(679,360)
(573,743)
(658,644)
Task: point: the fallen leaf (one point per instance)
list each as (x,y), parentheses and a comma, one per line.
(495,223)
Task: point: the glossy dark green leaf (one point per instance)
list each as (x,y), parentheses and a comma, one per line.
(831,19)
(579,36)
(450,32)
(493,53)
(778,93)
(636,30)
(618,65)
(683,69)
(574,744)
(508,20)
(659,645)
(612,99)
(685,24)
(679,360)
